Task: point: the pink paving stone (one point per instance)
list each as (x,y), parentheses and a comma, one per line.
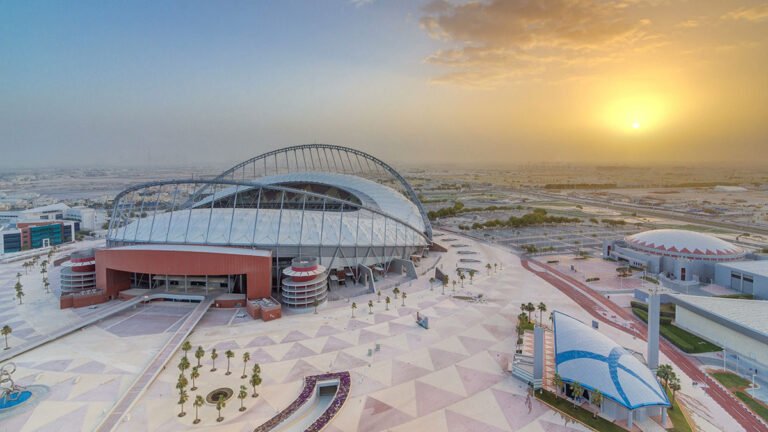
(398,328)
(298,351)
(402,372)
(17,421)
(54,365)
(499,332)
(380,318)
(355,324)
(460,423)
(501,358)
(475,381)
(344,361)
(515,410)
(335,344)
(443,311)
(367,336)
(553,427)
(473,345)
(300,370)
(378,416)
(104,392)
(294,336)
(260,341)
(441,358)
(228,345)
(73,421)
(402,311)
(261,356)
(426,304)
(92,367)
(327,330)
(61,391)
(430,398)
(365,386)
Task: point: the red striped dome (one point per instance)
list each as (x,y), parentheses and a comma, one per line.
(684,244)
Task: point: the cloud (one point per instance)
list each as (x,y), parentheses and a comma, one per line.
(752,14)
(360,3)
(497,40)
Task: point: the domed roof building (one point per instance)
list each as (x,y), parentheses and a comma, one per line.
(679,257)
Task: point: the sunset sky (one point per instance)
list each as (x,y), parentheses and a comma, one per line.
(473,82)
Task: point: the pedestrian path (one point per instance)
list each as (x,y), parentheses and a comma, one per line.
(155,366)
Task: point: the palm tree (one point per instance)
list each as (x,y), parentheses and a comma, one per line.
(242,395)
(315,304)
(444,282)
(195,374)
(674,385)
(18,276)
(186,346)
(199,354)
(577,390)
(19,291)
(387,301)
(46,284)
(378,294)
(404,296)
(530,308)
(432,284)
(557,381)
(396,291)
(214,356)
(220,404)
(183,398)
(255,379)
(6,330)
(488,267)
(370,307)
(354,306)
(542,308)
(494,267)
(228,354)
(596,398)
(183,364)
(471,276)
(454,285)
(198,402)
(182,383)
(664,372)
(246,359)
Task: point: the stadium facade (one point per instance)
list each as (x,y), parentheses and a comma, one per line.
(348,211)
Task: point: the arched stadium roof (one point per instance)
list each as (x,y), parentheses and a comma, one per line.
(684,243)
(585,355)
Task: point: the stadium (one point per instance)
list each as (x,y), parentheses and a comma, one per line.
(348,213)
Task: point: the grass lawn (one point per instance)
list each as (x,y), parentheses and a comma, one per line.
(677,417)
(731,381)
(754,405)
(682,339)
(738,296)
(578,413)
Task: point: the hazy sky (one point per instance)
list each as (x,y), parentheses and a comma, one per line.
(633,81)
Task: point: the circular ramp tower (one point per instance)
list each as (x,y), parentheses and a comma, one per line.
(305,284)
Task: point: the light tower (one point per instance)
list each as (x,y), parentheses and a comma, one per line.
(653,328)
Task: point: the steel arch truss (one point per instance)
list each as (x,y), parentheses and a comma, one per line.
(323,158)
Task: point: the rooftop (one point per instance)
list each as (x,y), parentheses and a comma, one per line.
(750,314)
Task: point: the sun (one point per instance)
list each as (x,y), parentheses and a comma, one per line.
(635,124)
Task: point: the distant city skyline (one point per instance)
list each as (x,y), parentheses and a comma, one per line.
(498,83)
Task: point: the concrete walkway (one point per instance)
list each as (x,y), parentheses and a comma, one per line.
(86,321)
(155,366)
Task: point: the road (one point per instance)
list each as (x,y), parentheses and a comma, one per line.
(595,304)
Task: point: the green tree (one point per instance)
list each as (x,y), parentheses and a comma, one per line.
(471,276)
(488,268)
(431,284)
(354,306)
(182,383)
(396,291)
(387,301)
(370,307)
(183,398)
(530,308)
(228,354)
(214,356)
(542,308)
(246,359)
(461,278)
(454,285)
(494,267)
(577,390)
(664,372)
(19,291)
(674,386)
(255,380)
(198,402)
(242,394)
(315,304)
(557,382)
(46,284)
(199,354)
(404,296)
(378,294)
(183,364)
(220,405)
(6,330)
(194,374)
(596,398)
(444,282)
(186,346)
